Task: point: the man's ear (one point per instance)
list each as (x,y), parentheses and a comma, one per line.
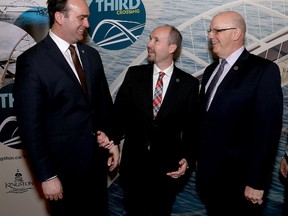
(172,48)
(59,17)
(237,34)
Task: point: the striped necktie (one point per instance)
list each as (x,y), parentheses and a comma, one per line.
(213,83)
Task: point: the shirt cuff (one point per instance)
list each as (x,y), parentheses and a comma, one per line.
(51,178)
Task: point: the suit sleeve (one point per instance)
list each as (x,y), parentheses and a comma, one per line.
(267,126)
(120,108)
(29,105)
(191,126)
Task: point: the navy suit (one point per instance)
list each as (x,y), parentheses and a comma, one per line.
(58,122)
(240,132)
(154,147)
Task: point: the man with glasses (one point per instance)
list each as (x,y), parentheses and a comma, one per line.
(241,120)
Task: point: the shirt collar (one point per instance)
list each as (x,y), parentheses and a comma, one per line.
(62,44)
(231,59)
(168,71)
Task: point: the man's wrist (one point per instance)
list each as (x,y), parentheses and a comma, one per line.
(53,177)
(285,156)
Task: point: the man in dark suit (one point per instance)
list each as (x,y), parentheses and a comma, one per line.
(157,150)
(240,125)
(64,125)
(284,172)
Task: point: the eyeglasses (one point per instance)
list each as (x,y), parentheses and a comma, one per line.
(216,31)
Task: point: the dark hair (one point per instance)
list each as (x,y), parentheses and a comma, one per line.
(175,37)
(54,6)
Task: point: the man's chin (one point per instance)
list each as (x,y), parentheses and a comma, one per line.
(150,58)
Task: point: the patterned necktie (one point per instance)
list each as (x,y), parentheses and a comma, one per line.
(158,94)
(212,84)
(78,67)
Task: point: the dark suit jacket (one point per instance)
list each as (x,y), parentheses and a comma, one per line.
(168,138)
(243,124)
(57,121)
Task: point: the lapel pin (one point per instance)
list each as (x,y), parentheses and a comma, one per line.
(235,67)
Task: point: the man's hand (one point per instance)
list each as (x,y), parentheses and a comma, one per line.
(52,189)
(253,195)
(114,158)
(183,166)
(284,167)
(104,141)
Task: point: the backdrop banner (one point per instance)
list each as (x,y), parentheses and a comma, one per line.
(18,189)
(120,30)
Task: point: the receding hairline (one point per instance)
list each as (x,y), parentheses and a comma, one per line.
(237,19)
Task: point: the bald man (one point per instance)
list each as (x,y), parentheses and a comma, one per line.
(241,123)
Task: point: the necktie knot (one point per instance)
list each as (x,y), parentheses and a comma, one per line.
(72,48)
(223,62)
(161,75)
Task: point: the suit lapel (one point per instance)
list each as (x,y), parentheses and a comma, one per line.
(234,72)
(147,89)
(55,54)
(171,94)
(207,74)
(86,66)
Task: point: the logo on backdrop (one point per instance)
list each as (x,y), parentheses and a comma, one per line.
(8,125)
(116,24)
(18,185)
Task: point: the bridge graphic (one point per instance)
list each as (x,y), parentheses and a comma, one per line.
(9,12)
(128,31)
(10,8)
(267,36)
(8,66)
